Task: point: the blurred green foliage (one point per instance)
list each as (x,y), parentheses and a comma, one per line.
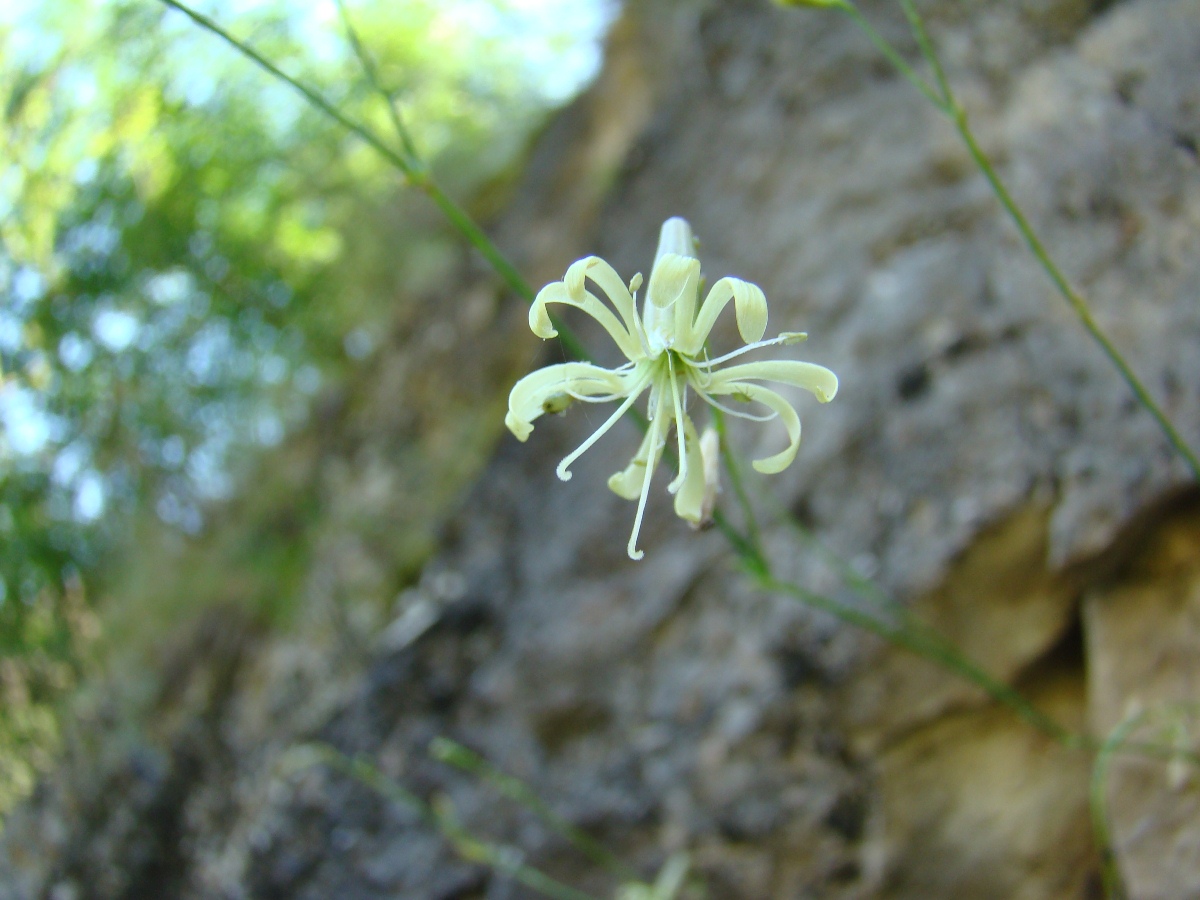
(188,253)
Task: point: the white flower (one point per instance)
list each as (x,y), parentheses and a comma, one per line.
(665,346)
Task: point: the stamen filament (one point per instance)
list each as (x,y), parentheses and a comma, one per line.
(674,486)
(785,338)
(563,469)
(652,453)
(708,398)
(584,398)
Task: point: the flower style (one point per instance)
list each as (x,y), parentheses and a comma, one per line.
(665,346)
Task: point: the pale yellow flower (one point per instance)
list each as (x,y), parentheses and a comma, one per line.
(666,353)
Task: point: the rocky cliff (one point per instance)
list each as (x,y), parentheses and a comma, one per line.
(983,464)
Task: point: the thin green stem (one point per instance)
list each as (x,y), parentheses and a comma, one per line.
(455,754)
(926,636)
(890,53)
(923,639)
(1114,888)
(926,643)
(917,25)
(367,63)
(415,174)
(872,592)
(503,859)
(1074,298)
(949,105)
(751,559)
(312,96)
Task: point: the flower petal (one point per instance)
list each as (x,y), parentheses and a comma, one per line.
(557,292)
(741,390)
(691,500)
(749,302)
(670,298)
(540,391)
(676,237)
(606,278)
(814,378)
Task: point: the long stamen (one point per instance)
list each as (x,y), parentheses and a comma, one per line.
(788,337)
(679,430)
(608,398)
(655,437)
(563,469)
(708,398)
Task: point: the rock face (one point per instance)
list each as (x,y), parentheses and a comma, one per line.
(983,463)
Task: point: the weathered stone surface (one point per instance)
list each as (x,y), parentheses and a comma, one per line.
(982,462)
(1141,631)
(989,807)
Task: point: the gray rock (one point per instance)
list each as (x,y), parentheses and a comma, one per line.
(983,462)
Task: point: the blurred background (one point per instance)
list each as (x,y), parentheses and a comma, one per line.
(190,255)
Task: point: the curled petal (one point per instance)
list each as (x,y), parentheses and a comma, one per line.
(606,278)
(558,292)
(747,392)
(541,391)
(749,303)
(821,382)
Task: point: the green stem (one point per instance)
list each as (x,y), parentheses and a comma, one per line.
(917,25)
(414,173)
(1074,298)
(890,53)
(747,552)
(928,644)
(949,105)
(1114,888)
(504,860)
(871,592)
(372,73)
(467,846)
(455,754)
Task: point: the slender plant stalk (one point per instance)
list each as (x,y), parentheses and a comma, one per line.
(944,99)
(889,52)
(504,860)
(414,173)
(873,593)
(1114,887)
(371,71)
(935,649)
(455,754)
